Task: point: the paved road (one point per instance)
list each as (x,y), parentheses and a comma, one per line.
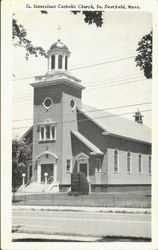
(83,223)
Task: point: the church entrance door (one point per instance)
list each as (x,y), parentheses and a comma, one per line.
(83,168)
(83,164)
(47,168)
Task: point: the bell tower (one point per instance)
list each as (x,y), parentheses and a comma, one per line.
(58,55)
(57,94)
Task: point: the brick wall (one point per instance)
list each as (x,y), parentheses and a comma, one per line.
(61,96)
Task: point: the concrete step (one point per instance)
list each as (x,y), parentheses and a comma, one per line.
(35,187)
(53,187)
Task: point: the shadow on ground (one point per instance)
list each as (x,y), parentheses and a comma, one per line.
(103,239)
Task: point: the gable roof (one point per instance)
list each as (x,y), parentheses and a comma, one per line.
(111,124)
(116,125)
(95,150)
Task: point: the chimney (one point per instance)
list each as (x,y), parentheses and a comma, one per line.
(138,117)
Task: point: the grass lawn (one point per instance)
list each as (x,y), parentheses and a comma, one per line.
(130,199)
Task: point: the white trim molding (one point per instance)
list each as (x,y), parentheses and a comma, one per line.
(47,152)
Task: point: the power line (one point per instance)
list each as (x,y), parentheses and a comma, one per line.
(91,88)
(115,80)
(97,110)
(101,82)
(80,120)
(87,66)
(23,78)
(111,85)
(122,77)
(107,62)
(101,60)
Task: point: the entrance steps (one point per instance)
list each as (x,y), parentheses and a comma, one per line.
(35,187)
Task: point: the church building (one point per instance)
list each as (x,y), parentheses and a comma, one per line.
(69,137)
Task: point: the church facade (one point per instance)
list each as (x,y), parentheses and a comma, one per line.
(67,136)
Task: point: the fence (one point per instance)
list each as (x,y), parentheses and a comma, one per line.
(130,199)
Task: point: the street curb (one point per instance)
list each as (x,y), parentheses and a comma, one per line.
(24,236)
(32,235)
(85,209)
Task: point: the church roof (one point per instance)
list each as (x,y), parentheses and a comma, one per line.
(90,145)
(117,125)
(110,124)
(59,45)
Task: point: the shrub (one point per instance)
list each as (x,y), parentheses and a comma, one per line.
(73,193)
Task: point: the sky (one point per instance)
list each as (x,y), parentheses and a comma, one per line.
(109,84)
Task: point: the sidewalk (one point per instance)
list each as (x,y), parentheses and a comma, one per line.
(85,209)
(36,237)
(30,236)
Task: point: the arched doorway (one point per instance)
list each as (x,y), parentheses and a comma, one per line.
(83,164)
(47,163)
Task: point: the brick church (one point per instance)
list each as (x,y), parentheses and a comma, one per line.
(68,136)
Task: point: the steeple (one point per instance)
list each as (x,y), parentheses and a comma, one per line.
(138,117)
(58,57)
(57,73)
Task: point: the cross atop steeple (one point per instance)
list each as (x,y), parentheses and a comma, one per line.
(59,29)
(138,117)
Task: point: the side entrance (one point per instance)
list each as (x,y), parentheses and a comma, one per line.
(83,164)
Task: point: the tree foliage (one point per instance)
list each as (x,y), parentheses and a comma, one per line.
(19,33)
(21,156)
(144,57)
(19,36)
(92,17)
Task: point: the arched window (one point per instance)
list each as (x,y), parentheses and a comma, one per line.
(60,61)
(53,62)
(150,164)
(140,164)
(128,162)
(66,62)
(116,161)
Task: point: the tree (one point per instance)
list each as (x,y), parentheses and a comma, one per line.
(144,57)
(21,156)
(19,33)
(92,17)
(19,36)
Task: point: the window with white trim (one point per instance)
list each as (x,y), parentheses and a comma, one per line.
(140,163)
(47,132)
(150,164)
(68,165)
(98,165)
(116,161)
(128,162)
